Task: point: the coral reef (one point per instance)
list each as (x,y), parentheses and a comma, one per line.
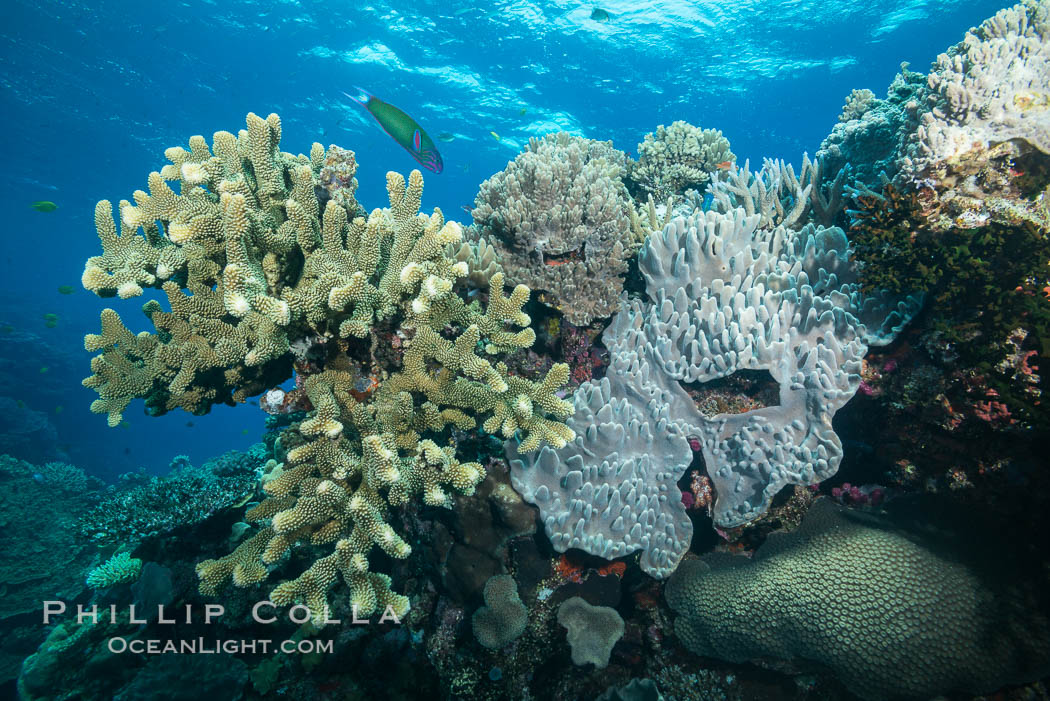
(983,287)
(270,272)
(992,87)
(43,557)
(677,158)
(141,506)
(591,630)
(873,132)
(560,219)
(726,295)
(503,618)
(971,136)
(891,612)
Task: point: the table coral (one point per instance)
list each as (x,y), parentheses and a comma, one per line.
(273,276)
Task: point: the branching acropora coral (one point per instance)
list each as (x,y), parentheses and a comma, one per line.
(254,264)
(122,567)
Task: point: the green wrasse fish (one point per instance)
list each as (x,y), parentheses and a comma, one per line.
(402,129)
(44,206)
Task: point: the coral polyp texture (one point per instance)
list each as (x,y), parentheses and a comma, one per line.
(992,87)
(892,611)
(560,219)
(677,158)
(592,631)
(503,618)
(268,269)
(724,295)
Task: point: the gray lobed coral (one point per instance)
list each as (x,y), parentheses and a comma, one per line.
(503,618)
(723,295)
(677,158)
(592,631)
(559,218)
(892,613)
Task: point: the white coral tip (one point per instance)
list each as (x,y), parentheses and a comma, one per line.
(450,233)
(129,289)
(132,216)
(409,273)
(238,305)
(179,232)
(192,173)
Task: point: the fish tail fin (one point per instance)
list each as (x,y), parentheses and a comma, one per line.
(360,95)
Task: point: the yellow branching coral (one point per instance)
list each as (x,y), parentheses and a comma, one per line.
(267,266)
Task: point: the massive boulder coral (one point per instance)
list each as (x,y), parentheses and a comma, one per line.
(560,219)
(992,87)
(724,296)
(892,611)
(677,158)
(279,282)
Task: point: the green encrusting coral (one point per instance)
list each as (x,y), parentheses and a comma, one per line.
(980,284)
(268,267)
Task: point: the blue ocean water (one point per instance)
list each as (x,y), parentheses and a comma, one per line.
(92,93)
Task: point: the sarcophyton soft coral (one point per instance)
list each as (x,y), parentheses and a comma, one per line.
(266,270)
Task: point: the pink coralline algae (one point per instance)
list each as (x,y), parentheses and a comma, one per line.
(993,412)
(868,495)
(699,495)
(577,347)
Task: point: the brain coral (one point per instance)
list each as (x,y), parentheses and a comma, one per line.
(891,612)
(559,217)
